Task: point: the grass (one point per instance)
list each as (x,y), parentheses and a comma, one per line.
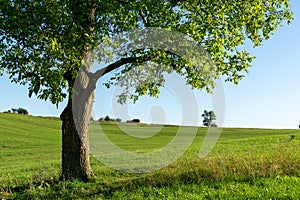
(245,164)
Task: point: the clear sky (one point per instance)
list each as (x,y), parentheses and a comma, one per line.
(268,97)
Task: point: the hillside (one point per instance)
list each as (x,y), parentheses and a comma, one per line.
(245,163)
(27,143)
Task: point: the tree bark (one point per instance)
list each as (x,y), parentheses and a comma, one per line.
(75,145)
(76,119)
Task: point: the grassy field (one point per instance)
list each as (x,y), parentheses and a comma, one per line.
(245,164)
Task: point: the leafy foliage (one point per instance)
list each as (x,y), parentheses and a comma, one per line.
(107,118)
(22,111)
(43,43)
(209,118)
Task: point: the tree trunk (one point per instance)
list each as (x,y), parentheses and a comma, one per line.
(75,145)
(77,114)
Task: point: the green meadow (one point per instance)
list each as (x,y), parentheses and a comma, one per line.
(244,164)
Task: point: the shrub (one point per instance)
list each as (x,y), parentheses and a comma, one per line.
(22,111)
(136,120)
(107,118)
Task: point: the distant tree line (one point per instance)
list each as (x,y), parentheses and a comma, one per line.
(109,119)
(21,111)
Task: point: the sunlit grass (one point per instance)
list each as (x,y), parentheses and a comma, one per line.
(245,163)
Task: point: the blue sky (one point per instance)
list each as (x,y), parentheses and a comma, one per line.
(268,97)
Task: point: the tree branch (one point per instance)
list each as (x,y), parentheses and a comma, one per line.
(121,62)
(145,20)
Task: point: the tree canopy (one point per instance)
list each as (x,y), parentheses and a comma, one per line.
(209,118)
(42,42)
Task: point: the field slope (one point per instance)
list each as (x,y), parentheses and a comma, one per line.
(245,164)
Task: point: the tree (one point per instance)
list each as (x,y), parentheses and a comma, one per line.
(44,44)
(107,118)
(136,120)
(209,118)
(100,119)
(22,111)
(119,120)
(14,110)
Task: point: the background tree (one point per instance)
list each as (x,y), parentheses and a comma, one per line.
(118,120)
(100,119)
(44,43)
(136,120)
(22,111)
(209,118)
(107,118)
(14,110)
